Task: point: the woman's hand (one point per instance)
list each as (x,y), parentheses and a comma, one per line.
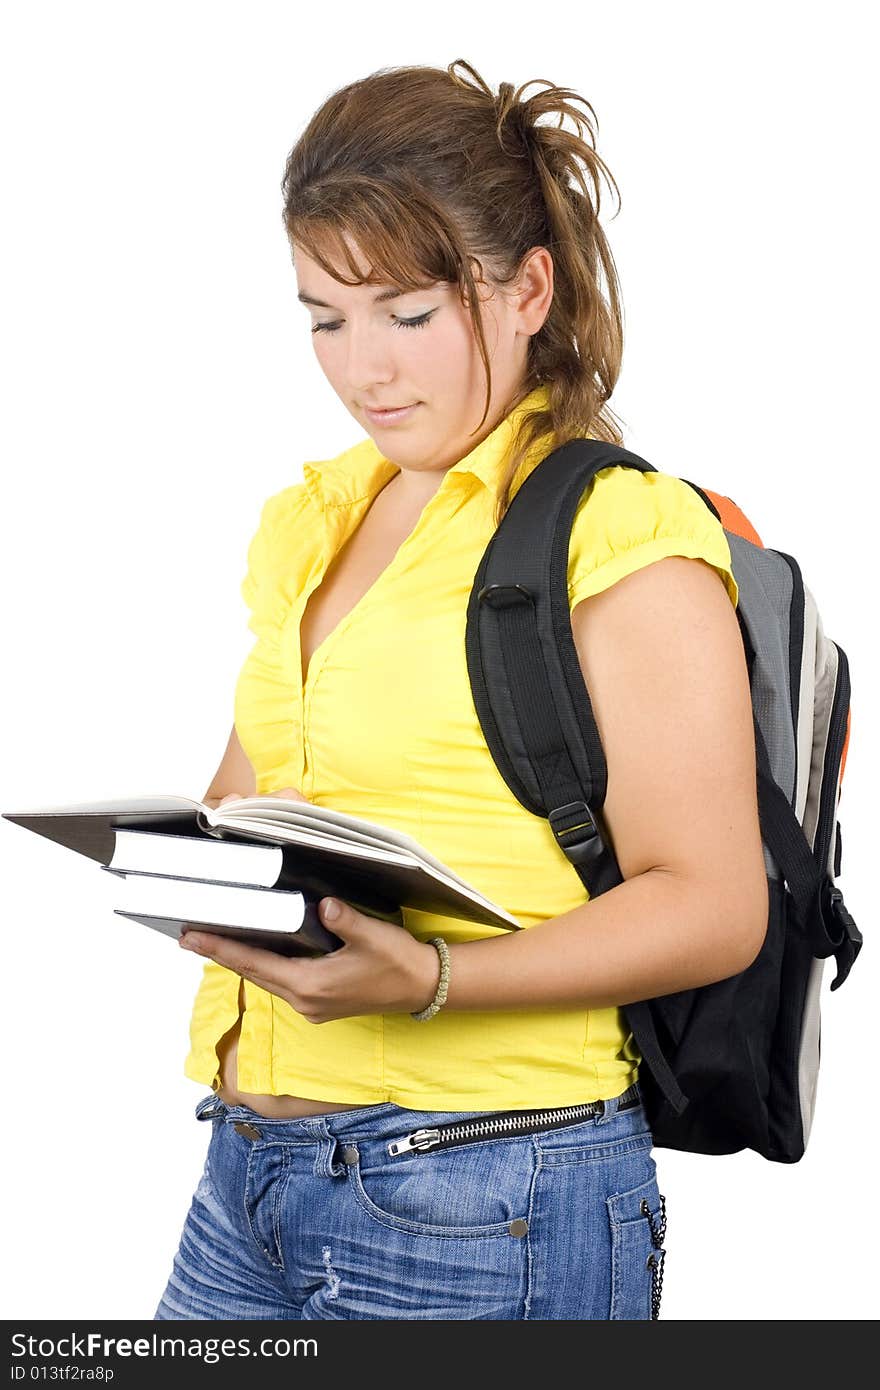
(380,969)
(290,792)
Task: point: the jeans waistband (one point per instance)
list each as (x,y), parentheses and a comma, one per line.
(386,1119)
(509,1124)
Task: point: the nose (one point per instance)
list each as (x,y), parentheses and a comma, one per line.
(368,361)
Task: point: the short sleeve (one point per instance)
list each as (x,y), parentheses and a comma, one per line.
(629,519)
(272,555)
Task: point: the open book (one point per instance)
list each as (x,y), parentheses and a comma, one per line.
(265,842)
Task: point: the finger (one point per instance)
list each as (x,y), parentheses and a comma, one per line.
(265,968)
(291,793)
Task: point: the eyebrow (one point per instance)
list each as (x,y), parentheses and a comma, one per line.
(379,298)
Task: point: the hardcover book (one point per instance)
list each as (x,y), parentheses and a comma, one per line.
(241,868)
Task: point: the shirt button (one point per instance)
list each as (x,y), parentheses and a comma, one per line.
(518,1226)
(246,1130)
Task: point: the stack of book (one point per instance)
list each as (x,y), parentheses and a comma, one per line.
(256,868)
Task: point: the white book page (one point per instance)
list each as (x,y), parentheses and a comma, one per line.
(280,808)
(295,834)
(327,831)
(309,835)
(213,902)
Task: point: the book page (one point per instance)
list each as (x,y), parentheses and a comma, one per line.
(311,835)
(339,844)
(124,805)
(280,809)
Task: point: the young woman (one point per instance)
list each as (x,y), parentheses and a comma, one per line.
(448,253)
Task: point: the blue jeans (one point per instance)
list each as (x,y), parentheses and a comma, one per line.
(312,1218)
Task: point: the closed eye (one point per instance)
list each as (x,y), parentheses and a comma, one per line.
(398,323)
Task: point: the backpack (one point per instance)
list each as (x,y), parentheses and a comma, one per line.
(734,1064)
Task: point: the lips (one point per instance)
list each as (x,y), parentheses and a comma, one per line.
(390,415)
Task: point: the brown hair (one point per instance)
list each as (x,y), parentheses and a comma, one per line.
(427,172)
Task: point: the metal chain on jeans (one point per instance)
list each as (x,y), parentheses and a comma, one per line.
(655,1262)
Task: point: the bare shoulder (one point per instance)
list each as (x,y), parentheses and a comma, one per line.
(664,664)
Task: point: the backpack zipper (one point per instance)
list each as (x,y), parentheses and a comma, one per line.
(833,753)
(796,643)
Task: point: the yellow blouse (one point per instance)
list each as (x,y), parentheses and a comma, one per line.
(409,753)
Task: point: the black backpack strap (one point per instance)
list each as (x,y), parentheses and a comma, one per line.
(821,913)
(528,687)
(525,676)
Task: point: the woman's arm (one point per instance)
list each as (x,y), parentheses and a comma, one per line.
(663,660)
(664,663)
(234,774)
(235,777)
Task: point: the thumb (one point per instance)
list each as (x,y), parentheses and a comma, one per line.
(340,917)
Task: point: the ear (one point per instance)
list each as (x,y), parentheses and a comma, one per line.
(534,290)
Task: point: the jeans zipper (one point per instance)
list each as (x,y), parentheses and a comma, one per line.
(493,1126)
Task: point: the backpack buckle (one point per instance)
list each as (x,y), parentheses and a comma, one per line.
(505,595)
(848,938)
(577,833)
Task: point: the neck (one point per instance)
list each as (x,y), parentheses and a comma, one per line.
(414,488)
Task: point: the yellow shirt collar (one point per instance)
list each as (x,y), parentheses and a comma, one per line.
(362,470)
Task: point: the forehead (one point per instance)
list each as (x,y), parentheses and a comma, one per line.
(344,265)
(302,261)
(317,286)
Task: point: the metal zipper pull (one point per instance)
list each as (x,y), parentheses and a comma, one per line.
(419,1139)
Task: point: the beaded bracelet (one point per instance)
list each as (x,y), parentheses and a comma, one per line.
(443,984)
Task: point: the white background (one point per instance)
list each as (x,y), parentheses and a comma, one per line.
(159,383)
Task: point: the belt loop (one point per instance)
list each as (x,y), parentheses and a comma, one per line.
(210,1107)
(325,1165)
(627,1098)
(609,1110)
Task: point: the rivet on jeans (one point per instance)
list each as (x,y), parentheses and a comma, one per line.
(247,1131)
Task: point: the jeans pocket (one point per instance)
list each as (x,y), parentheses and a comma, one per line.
(479,1189)
(266,1179)
(638,1226)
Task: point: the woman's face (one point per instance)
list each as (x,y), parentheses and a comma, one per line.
(419,349)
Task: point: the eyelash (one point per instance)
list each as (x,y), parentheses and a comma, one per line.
(400,323)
